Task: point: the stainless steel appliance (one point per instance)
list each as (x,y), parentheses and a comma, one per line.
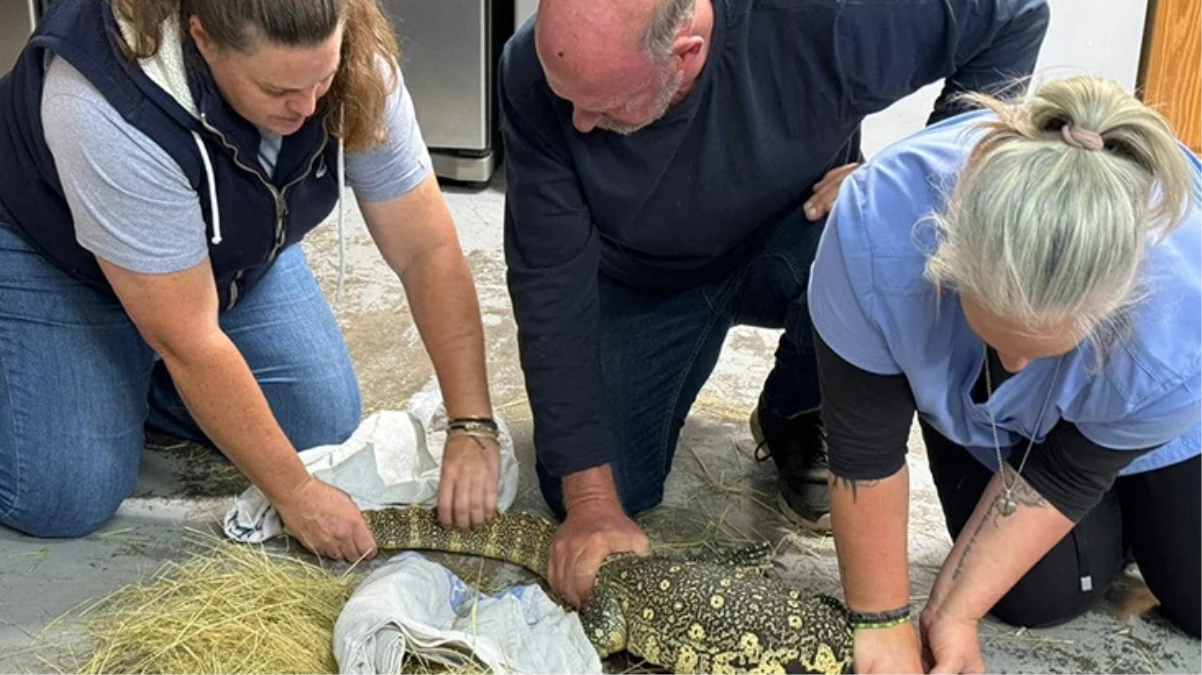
(449,52)
(17,19)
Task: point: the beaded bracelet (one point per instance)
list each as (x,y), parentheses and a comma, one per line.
(889,619)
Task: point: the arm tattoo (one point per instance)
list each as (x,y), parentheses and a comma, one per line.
(851,484)
(1022,494)
(973,539)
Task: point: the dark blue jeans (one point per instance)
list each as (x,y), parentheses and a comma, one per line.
(658,350)
(78,384)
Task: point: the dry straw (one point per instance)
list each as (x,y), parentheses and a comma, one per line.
(233,609)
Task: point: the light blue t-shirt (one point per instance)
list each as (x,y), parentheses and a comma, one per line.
(870,301)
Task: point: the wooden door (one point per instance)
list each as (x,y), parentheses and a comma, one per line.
(1171,69)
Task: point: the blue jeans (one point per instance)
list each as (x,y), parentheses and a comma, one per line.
(78,384)
(658,350)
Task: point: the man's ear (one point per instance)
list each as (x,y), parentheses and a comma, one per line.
(686,48)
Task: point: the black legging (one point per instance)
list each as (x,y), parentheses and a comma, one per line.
(1153,517)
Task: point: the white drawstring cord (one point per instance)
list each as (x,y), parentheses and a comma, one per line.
(341,208)
(215,213)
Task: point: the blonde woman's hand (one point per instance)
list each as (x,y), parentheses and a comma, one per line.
(951,644)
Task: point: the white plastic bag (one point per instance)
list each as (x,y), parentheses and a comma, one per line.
(394,458)
(411,605)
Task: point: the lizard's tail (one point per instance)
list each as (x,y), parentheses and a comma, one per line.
(519,538)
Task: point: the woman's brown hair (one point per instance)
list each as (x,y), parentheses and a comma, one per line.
(366,75)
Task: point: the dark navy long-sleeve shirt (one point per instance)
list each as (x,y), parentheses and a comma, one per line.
(681,202)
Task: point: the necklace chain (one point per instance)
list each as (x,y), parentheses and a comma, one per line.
(1006,503)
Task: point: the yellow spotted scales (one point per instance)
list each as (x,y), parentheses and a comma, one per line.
(702,612)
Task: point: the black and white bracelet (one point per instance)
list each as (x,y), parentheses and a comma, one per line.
(893,617)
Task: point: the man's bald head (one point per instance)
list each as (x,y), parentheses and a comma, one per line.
(614,60)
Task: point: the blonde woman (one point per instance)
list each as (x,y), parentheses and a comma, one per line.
(159,162)
(1026,278)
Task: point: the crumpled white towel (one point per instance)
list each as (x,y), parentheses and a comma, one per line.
(413,605)
(393,458)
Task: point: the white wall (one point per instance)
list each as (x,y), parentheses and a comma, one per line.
(1101,37)
(522,10)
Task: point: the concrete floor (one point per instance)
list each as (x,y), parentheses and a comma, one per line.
(715,484)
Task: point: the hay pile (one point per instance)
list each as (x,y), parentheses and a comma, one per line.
(234,609)
(229,608)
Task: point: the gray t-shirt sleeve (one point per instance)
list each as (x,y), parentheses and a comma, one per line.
(131,203)
(388,171)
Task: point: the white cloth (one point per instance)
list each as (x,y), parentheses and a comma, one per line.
(394,458)
(411,605)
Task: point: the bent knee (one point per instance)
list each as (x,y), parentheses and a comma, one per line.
(328,423)
(318,415)
(68,502)
(641,501)
(1032,610)
(347,414)
(66,515)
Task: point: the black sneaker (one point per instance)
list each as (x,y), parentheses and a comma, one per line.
(798,447)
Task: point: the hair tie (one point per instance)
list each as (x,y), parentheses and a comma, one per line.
(1081,138)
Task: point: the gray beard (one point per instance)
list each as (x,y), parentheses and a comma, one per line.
(661,106)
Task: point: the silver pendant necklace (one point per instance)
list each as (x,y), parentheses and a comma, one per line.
(1006,505)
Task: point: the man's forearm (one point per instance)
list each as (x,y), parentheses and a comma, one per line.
(869,519)
(442,298)
(229,406)
(994,551)
(590,485)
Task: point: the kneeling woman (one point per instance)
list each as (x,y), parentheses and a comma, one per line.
(130,132)
(1025,278)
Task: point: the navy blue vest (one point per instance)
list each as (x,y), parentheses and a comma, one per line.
(260,214)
